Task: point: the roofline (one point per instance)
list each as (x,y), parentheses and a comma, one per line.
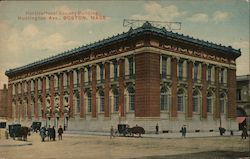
(145,28)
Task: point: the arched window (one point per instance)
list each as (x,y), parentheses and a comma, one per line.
(209,102)
(180,100)
(195,101)
(116,100)
(101,94)
(164,99)
(222,103)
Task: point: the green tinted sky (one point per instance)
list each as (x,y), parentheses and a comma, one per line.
(24,41)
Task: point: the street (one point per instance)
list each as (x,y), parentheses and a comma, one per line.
(96,147)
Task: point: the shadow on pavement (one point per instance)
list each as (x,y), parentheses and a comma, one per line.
(204,155)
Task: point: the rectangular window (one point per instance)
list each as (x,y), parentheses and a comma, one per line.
(164,67)
(116,103)
(222,76)
(163,101)
(132,102)
(180,103)
(89,74)
(101,103)
(238,94)
(209,74)
(77,77)
(89,104)
(180,70)
(196,66)
(131,67)
(101,72)
(115,70)
(209,105)
(195,104)
(78,105)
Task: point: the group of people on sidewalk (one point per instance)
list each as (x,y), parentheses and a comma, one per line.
(51,133)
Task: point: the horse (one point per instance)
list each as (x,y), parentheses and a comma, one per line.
(136,130)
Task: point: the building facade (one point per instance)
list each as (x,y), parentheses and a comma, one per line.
(3,102)
(243,100)
(145,76)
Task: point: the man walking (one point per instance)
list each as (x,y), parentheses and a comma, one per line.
(60,132)
(183,131)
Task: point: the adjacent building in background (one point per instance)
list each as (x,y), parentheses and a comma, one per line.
(145,76)
(4,102)
(243,100)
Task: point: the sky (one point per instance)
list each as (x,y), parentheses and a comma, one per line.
(31,31)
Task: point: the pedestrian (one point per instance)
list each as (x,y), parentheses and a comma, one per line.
(157,129)
(222,130)
(111,132)
(43,133)
(53,133)
(183,131)
(244,132)
(49,132)
(60,132)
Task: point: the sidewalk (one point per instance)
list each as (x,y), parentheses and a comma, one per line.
(161,135)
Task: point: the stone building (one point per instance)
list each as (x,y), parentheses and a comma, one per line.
(145,76)
(243,99)
(3,102)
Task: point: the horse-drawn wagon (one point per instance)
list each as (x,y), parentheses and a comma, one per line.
(125,130)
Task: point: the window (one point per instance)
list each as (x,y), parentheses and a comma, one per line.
(209,74)
(163,100)
(131,98)
(180,100)
(77,104)
(209,102)
(131,67)
(222,75)
(101,93)
(77,77)
(180,70)
(164,67)
(89,103)
(116,100)
(101,72)
(196,67)
(238,94)
(115,70)
(195,101)
(222,103)
(89,74)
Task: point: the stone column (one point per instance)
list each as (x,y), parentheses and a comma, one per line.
(61,94)
(93,70)
(29,101)
(190,89)
(82,93)
(52,96)
(36,99)
(231,84)
(22,106)
(204,90)
(217,96)
(121,64)
(71,93)
(9,110)
(174,87)
(44,97)
(106,90)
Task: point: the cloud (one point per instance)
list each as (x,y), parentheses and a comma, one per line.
(199,17)
(219,16)
(154,11)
